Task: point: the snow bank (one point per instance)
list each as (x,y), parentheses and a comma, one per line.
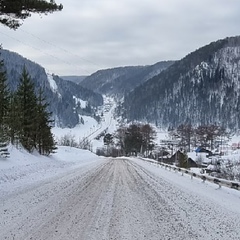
(24,169)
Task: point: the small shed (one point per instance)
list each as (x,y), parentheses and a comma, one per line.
(192,163)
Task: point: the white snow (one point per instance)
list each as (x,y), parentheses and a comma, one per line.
(24,169)
(52,83)
(224,197)
(77,195)
(82,103)
(80,131)
(74,194)
(91,128)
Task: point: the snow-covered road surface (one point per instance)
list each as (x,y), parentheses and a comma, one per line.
(114,199)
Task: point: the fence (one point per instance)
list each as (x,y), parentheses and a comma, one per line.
(219,182)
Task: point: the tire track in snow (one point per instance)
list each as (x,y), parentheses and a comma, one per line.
(117,199)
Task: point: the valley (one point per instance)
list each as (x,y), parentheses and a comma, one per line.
(119,120)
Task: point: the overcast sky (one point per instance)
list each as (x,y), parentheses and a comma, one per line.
(88,35)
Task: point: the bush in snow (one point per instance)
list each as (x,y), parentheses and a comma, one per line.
(230,170)
(68,140)
(85,144)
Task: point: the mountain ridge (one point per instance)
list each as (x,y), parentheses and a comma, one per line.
(196,89)
(118,81)
(61,98)
(201,88)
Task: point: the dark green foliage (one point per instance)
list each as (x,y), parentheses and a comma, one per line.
(4,94)
(108,142)
(44,138)
(4,107)
(14,11)
(33,124)
(24,118)
(27,110)
(108,139)
(14,119)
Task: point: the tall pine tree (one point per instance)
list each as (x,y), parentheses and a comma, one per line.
(13,12)
(4,106)
(14,119)
(45,140)
(27,104)
(24,118)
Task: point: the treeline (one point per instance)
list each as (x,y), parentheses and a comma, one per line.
(209,136)
(24,119)
(132,140)
(139,139)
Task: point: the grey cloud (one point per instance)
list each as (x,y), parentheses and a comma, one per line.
(92,34)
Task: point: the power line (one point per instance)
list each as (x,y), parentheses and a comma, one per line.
(45,53)
(60,48)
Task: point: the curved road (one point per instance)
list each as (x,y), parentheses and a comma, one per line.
(117,199)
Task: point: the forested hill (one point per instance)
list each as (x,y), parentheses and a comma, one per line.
(202,88)
(63,96)
(117,81)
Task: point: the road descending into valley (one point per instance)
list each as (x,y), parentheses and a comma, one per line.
(115,199)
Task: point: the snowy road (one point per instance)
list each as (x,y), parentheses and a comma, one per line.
(116,199)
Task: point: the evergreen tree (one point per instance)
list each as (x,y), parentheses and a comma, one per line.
(108,139)
(14,11)
(24,118)
(45,141)
(4,105)
(27,101)
(14,119)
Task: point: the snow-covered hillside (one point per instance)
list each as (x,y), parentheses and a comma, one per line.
(202,89)
(90,128)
